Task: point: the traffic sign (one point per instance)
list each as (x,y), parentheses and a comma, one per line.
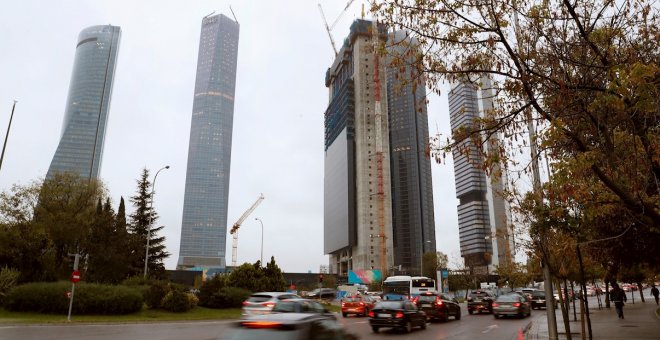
(75,276)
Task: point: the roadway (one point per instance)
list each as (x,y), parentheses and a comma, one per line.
(476,326)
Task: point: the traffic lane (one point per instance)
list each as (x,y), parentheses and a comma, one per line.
(201,330)
(469,327)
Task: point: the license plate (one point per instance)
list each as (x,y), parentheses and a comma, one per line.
(426,305)
(383,315)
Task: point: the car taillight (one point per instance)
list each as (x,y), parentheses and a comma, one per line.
(245,303)
(268,304)
(371,314)
(361,303)
(495,304)
(261,324)
(343,304)
(438,301)
(516,304)
(398,315)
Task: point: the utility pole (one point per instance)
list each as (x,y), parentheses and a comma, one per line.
(75,277)
(7,135)
(547,279)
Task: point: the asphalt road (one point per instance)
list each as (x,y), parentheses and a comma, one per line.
(476,326)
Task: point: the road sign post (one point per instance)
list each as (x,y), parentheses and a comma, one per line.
(75,277)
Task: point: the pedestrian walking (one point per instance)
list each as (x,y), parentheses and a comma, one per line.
(618,296)
(655,293)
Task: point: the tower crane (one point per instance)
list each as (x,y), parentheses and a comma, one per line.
(237,224)
(331,27)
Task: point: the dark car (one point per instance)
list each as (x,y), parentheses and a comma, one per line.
(478,301)
(300,306)
(322,293)
(356,304)
(511,305)
(438,306)
(538,299)
(401,314)
(298,326)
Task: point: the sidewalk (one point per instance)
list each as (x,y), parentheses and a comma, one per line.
(640,321)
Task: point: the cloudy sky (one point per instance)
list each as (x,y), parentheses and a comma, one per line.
(277,149)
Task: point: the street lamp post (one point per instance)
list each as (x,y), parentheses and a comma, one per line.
(151,204)
(262,240)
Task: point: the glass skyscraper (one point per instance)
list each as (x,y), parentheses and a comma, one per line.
(413,221)
(86,115)
(204,225)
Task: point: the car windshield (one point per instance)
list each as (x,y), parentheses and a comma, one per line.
(427,298)
(259,298)
(478,295)
(352,299)
(509,298)
(389,305)
(538,294)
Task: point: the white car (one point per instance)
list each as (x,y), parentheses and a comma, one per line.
(263,302)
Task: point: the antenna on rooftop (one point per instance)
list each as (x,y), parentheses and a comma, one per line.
(234,15)
(208,15)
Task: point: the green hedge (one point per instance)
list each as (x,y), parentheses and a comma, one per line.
(89,298)
(178,301)
(228,297)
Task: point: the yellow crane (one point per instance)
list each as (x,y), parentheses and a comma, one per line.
(237,224)
(329,28)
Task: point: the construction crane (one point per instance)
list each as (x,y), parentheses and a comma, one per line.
(331,27)
(237,224)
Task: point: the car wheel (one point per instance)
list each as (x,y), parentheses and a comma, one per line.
(470,311)
(444,318)
(374,328)
(408,327)
(496,316)
(423,325)
(343,314)
(458,315)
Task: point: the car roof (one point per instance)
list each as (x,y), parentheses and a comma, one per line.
(272,293)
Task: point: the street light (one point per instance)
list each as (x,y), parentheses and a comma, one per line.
(151,204)
(262,240)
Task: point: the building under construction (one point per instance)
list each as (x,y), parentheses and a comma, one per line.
(357,189)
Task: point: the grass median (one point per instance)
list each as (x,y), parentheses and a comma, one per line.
(145,315)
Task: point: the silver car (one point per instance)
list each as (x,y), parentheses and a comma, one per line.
(263,302)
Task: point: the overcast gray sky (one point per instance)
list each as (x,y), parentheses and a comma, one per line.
(277,147)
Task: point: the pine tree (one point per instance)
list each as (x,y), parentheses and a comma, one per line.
(141,220)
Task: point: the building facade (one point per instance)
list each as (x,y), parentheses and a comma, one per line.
(357,190)
(80,149)
(204,222)
(413,221)
(483,214)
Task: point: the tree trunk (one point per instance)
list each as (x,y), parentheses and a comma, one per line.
(607,294)
(573,299)
(585,302)
(564,312)
(641,294)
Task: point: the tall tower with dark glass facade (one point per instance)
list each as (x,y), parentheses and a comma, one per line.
(413,221)
(483,215)
(80,149)
(204,225)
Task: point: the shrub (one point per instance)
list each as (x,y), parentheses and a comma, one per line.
(155,294)
(228,297)
(8,279)
(178,301)
(210,287)
(89,298)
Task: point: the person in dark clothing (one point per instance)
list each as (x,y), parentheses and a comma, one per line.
(618,296)
(655,293)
